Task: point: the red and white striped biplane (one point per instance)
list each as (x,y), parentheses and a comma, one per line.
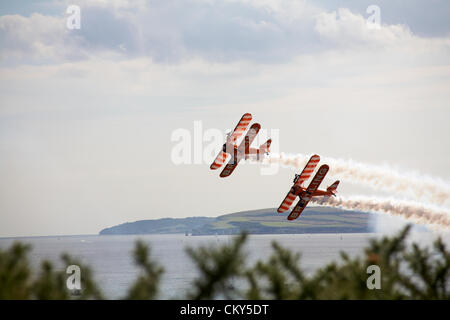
(305,194)
(243,151)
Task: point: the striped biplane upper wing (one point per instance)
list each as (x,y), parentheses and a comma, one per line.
(239,153)
(308,170)
(287,202)
(307,195)
(241,127)
(306,173)
(237,132)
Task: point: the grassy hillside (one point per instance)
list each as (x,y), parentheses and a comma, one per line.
(312,220)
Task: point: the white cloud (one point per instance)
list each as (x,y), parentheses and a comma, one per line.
(171,31)
(348,29)
(37,38)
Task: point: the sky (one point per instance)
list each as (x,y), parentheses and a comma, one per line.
(89,117)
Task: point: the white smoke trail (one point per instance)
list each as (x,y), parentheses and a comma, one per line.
(413,211)
(378,177)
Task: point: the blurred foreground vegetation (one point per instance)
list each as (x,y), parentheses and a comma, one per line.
(407,272)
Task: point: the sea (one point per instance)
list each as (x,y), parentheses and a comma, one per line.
(111,257)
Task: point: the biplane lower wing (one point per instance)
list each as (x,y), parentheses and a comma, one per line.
(308,193)
(244,147)
(229,168)
(298,209)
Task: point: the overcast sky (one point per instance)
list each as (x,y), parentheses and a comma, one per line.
(87,116)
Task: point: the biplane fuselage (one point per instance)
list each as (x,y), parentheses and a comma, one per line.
(246,153)
(318,193)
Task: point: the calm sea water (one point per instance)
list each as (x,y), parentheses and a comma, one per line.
(110,257)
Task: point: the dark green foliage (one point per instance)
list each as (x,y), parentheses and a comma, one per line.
(407,272)
(146,285)
(277,277)
(431,270)
(417,273)
(16,281)
(217,266)
(15,273)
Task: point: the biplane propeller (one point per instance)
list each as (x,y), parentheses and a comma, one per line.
(305,194)
(243,151)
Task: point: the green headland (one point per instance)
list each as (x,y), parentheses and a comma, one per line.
(263,221)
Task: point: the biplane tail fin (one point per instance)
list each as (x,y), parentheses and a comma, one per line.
(265,147)
(333,188)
